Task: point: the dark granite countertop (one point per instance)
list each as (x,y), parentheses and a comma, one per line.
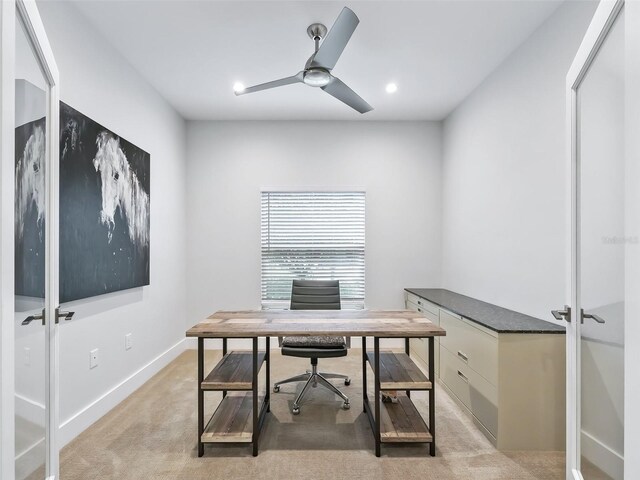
(496,318)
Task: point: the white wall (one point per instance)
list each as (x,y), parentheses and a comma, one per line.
(504,175)
(398,164)
(98,82)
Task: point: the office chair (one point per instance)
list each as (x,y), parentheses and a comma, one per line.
(315,295)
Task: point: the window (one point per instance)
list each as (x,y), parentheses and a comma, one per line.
(312,236)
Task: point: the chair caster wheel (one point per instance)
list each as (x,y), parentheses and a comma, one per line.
(347,382)
(295,410)
(346,406)
(276,388)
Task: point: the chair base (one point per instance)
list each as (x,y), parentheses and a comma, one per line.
(313,378)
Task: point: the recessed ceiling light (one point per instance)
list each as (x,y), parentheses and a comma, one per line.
(391,88)
(238,87)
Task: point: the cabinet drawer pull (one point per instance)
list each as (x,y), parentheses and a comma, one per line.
(463,376)
(419,309)
(419,302)
(463,356)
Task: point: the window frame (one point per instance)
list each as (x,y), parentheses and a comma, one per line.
(347,303)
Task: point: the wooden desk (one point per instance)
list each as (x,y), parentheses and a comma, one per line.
(239,418)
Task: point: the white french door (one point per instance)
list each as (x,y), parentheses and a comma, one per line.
(29,255)
(599,243)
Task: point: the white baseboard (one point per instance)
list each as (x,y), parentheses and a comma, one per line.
(29,460)
(81,420)
(30,410)
(603,457)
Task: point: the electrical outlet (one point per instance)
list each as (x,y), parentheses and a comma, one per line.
(27,356)
(93,358)
(127,342)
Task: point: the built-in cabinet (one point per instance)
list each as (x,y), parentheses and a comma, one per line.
(511,383)
(420,346)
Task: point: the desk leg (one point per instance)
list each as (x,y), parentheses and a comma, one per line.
(224,352)
(432,397)
(256,413)
(376,376)
(268,374)
(364,374)
(200,395)
(407,350)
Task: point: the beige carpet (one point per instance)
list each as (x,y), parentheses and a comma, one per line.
(152,434)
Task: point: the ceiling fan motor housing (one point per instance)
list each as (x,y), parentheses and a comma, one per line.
(317,77)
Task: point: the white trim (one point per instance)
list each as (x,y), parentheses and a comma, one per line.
(28,450)
(7,201)
(314,188)
(30,459)
(33,403)
(29,409)
(606,459)
(597,32)
(81,420)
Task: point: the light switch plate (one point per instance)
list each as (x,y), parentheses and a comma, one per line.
(27,356)
(93,358)
(128,341)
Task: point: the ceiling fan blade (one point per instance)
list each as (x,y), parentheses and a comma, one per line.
(276,83)
(342,92)
(332,46)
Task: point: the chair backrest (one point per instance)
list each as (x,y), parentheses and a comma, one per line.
(315,295)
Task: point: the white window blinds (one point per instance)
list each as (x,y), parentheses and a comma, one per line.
(312,236)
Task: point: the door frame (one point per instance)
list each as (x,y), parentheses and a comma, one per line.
(27,12)
(7,202)
(602,22)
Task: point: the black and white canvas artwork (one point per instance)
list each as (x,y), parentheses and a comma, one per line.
(29,232)
(104,209)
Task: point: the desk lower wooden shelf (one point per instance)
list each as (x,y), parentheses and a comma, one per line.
(233,372)
(232,422)
(401,422)
(399,372)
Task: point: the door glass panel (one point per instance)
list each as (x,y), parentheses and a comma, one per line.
(29,233)
(601,259)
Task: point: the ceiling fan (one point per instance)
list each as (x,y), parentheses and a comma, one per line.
(317,70)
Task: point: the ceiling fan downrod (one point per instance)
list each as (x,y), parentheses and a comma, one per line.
(317,31)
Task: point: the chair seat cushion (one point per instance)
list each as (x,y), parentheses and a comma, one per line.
(314,347)
(303,352)
(318,342)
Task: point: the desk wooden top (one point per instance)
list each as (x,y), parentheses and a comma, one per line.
(349,323)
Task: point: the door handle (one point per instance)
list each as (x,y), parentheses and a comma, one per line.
(562,314)
(593,316)
(65,315)
(31,318)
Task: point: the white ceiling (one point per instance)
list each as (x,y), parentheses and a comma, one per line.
(437,52)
